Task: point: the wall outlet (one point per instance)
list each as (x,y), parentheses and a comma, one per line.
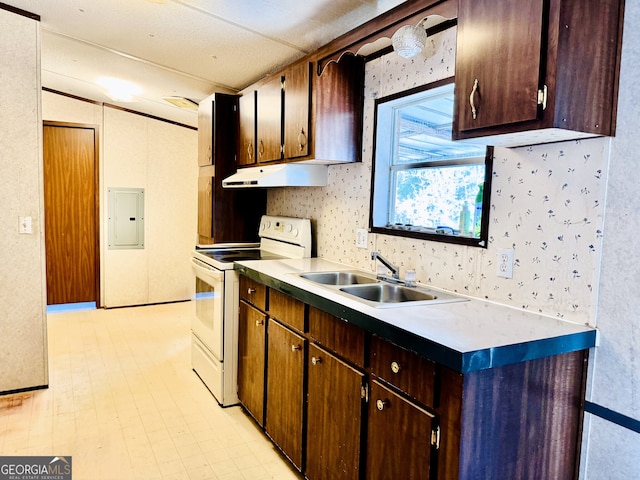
(362,238)
(505,263)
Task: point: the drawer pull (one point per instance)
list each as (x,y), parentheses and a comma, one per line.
(295,348)
(259,323)
(382,404)
(316,360)
(251,290)
(395,367)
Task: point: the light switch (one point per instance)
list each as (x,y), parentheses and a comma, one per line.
(25,227)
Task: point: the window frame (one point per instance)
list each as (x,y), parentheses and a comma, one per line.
(385,179)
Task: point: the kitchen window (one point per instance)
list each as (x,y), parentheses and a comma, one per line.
(425,185)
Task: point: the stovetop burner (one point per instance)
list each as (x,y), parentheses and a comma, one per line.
(230,256)
(280,237)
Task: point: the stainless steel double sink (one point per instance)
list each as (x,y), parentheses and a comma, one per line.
(371,291)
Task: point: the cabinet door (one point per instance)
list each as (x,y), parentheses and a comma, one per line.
(498,62)
(247,142)
(269,120)
(297,92)
(398,437)
(334,418)
(251,354)
(285,377)
(205,132)
(205,209)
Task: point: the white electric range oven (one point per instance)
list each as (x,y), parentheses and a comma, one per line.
(214,328)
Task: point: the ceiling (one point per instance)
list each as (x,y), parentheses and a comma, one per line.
(184,48)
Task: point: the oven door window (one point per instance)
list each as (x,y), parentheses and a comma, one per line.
(208,324)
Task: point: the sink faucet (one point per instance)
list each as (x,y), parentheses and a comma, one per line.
(394,270)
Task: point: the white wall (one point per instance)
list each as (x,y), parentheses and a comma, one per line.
(613,451)
(549,203)
(23,342)
(161,157)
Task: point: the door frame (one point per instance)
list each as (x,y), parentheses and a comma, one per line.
(96,177)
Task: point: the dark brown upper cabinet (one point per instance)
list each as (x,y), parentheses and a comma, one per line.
(269,120)
(247,131)
(297,115)
(223,215)
(547,67)
(300,114)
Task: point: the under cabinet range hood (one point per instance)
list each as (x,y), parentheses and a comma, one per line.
(281,175)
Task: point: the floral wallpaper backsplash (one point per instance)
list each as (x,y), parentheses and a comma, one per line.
(547,204)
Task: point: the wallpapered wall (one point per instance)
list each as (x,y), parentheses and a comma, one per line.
(547,203)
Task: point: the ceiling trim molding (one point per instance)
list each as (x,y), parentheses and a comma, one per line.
(19,11)
(116,107)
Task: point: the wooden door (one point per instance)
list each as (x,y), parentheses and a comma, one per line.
(283,418)
(490,36)
(71,212)
(251,345)
(398,437)
(333,419)
(297,114)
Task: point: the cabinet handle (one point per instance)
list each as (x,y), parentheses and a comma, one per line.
(382,404)
(472,102)
(316,360)
(395,367)
(251,290)
(259,323)
(302,139)
(209,153)
(250,151)
(261,149)
(295,348)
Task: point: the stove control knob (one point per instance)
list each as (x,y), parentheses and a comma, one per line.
(289,228)
(295,232)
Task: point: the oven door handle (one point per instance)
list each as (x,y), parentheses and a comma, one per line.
(208,270)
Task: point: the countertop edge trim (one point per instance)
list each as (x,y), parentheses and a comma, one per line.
(461,362)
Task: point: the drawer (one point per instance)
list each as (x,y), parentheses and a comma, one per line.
(286,310)
(408,371)
(342,338)
(253,292)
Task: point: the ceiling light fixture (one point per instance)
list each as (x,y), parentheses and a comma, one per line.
(409,41)
(119,90)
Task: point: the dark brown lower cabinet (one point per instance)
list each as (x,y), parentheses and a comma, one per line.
(334,418)
(251,345)
(285,377)
(420,420)
(398,438)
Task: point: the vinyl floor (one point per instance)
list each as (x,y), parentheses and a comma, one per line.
(124,403)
